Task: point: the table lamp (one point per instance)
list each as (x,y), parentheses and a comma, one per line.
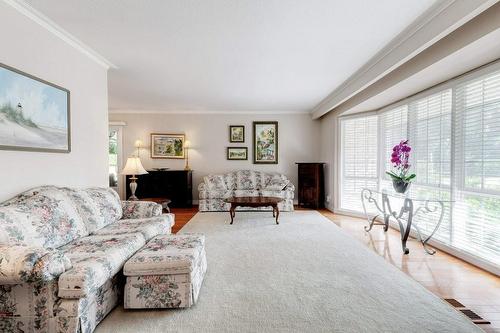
(187,145)
(132,168)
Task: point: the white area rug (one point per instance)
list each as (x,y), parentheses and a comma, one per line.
(304,275)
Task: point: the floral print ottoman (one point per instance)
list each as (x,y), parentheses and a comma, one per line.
(166,273)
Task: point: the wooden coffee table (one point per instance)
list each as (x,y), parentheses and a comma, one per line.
(254,202)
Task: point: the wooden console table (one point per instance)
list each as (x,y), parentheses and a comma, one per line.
(176,185)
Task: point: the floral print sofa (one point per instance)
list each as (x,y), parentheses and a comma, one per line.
(243,183)
(60,252)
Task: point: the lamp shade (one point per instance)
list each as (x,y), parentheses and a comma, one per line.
(133,167)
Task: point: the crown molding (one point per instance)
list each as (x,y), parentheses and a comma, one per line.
(45,22)
(228,112)
(438,21)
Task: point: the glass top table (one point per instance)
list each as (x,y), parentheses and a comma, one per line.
(412,206)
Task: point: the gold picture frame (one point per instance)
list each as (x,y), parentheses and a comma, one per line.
(164,145)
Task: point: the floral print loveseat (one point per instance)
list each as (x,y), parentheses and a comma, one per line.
(244,183)
(61,250)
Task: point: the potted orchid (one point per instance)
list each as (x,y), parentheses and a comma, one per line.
(400,160)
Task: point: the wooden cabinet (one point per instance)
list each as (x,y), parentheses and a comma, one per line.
(176,185)
(311,187)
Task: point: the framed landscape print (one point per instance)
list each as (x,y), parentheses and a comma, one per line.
(34,114)
(236,133)
(237,153)
(167,145)
(265,142)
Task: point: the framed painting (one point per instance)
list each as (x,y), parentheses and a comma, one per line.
(265,142)
(34,114)
(237,153)
(167,145)
(236,133)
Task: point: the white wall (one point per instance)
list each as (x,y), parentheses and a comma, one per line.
(328,154)
(299,141)
(32,49)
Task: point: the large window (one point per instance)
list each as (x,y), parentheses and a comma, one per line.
(359,159)
(455,135)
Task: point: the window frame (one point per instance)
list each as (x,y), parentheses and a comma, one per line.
(457,180)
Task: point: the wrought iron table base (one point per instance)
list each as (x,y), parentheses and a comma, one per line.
(407,208)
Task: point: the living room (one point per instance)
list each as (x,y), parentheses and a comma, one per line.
(254,166)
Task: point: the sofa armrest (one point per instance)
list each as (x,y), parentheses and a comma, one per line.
(202,187)
(24,264)
(290,187)
(140,209)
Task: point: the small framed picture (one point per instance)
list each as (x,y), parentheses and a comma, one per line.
(236,133)
(237,153)
(167,145)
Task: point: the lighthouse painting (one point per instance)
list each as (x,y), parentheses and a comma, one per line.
(34,114)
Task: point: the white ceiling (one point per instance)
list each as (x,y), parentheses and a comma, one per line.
(231,55)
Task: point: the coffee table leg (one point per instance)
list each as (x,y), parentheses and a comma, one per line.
(277,213)
(232,213)
(274,211)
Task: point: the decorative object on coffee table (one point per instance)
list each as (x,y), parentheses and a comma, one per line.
(265,142)
(237,153)
(166,273)
(236,133)
(400,156)
(167,145)
(132,168)
(254,202)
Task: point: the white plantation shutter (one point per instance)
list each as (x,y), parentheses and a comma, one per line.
(455,138)
(359,160)
(430,139)
(393,129)
(476,215)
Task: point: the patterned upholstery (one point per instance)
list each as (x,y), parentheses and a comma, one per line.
(21,263)
(95,260)
(215,188)
(97,206)
(138,209)
(45,217)
(166,273)
(148,227)
(35,307)
(54,277)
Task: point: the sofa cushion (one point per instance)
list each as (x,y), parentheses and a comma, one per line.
(246,180)
(276,183)
(44,217)
(277,194)
(98,207)
(172,254)
(148,227)
(95,260)
(221,194)
(246,193)
(215,182)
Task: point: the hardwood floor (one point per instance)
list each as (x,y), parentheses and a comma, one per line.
(444,275)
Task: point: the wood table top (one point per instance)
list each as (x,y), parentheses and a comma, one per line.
(253,200)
